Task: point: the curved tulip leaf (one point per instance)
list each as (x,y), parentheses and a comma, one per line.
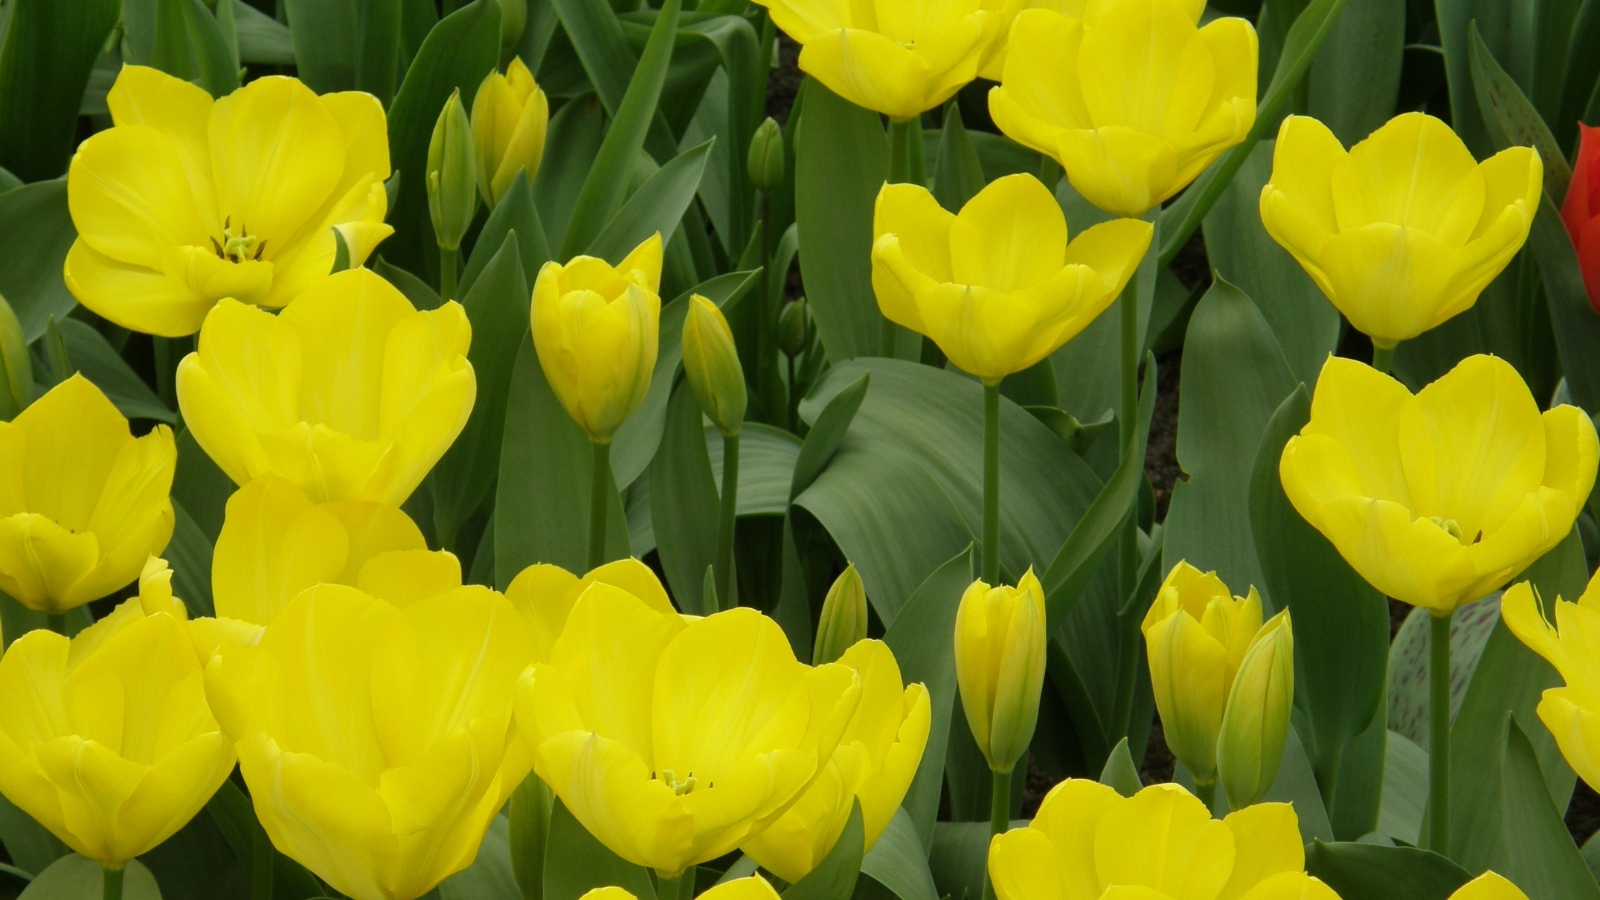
(767,458)
(576,863)
(1576,324)
(189,553)
(1375,872)
(1120,772)
(959,858)
(517,212)
(579,127)
(1405,789)
(29,845)
(490,877)
(957,174)
(263,40)
(899,862)
(36,232)
(827,430)
(73,878)
(230,809)
(50,47)
(189,42)
(835,877)
(1510,118)
(657,206)
(201,486)
(99,362)
(343,45)
(684,503)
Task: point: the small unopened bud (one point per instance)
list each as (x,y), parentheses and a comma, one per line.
(1256,723)
(712,363)
(765,161)
(792,328)
(452,175)
(1000,659)
(844,617)
(16,388)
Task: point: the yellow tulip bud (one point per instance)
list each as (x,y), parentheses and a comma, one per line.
(844,618)
(1000,644)
(997,286)
(83,503)
(1256,723)
(188,200)
(1489,886)
(765,159)
(1134,99)
(16,368)
(351,393)
(596,329)
(1406,229)
(451,178)
(792,328)
(509,118)
(1196,634)
(1089,841)
(711,362)
(106,739)
(633,726)
(1440,498)
(545,594)
(1572,711)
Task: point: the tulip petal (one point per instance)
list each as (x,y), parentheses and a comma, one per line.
(40,561)
(1572,451)
(1069,817)
(278,153)
(1146,68)
(135,297)
(180,110)
(1196,852)
(1011,235)
(1291,886)
(1266,840)
(274,544)
(544,594)
(1413,172)
(129,195)
(611,791)
(870,70)
(1015,866)
(404,577)
(1388,280)
(1303,160)
(1360,408)
(74,440)
(1488,886)
(1119,169)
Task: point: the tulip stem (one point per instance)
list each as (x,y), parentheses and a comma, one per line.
(999,814)
(991,484)
(449,260)
(1439,737)
(111,883)
(599,492)
(678,887)
(56,622)
(1207,794)
(260,864)
(726,521)
(1382,358)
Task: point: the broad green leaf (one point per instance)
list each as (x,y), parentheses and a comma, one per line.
(517,212)
(421,295)
(529,814)
(189,43)
(343,45)
(197,864)
(189,555)
(1508,117)
(579,127)
(957,173)
(1409,657)
(1539,854)
(201,486)
(1576,324)
(36,232)
(1582,73)
(50,47)
(899,861)
(1375,872)
(834,878)
(656,207)
(97,361)
(490,876)
(959,859)
(1497,20)
(1405,789)
(684,502)
(828,429)
(1120,772)
(263,40)
(576,863)
(767,457)
(76,878)
(29,845)
(1297,784)
(1355,76)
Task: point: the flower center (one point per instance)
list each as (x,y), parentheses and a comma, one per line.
(237,246)
(679,788)
(1453,528)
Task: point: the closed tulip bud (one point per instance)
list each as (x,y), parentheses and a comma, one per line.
(1256,723)
(513,19)
(596,328)
(1404,230)
(1580,211)
(1443,497)
(15,365)
(1571,711)
(452,174)
(765,160)
(792,328)
(844,617)
(1000,643)
(711,362)
(510,116)
(996,286)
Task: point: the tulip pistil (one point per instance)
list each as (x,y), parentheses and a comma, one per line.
(238,247)
(1453,528)
(679,788)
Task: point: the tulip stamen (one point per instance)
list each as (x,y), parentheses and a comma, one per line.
(679,788)
(238,247)
(1453,528)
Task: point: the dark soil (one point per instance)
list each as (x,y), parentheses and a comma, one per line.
(785,80)
(1161,453)
(1583,814)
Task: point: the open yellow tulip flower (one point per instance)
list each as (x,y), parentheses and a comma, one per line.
(1087,841)
(1406,229)
(1440,498)
(1000,658)
(351,393)
(996,286)
(1489,886)
(1571,712)
(509,118)
(1133,99)
(596,328)
(897,57)
(106,739)
(187,200)
(378,742)
(83,503)
(752,888)
(875,762)
(676,741)
(545,595)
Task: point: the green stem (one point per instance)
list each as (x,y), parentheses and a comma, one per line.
(678,887)
(260,865)
(56,622)
(111,883)
(999,814)
(1049,173)
(991,483)
(1207,793)
(726,522)
(449,261)
(1128,412)
(1439,737)
(599,492)
(1383,358)
(1127,659)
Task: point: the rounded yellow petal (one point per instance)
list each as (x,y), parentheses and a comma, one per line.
(1195,857)
(1488,886)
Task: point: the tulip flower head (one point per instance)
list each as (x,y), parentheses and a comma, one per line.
(1255,724)
(874,762)
(1580,211)
(996,286)
(1159,844)
(1489,886)
(676,741)
(752,888)
(351,393)
(187,200)
(1133,99)
(596,329)
(1404,230)
(106,739)
(545,595)
(711,363)
(83,503)
(1440,498)
(509,118)
(1572,711)
(1000,645)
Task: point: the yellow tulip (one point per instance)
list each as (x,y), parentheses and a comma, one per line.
(676,741)
(187,200)
(1255,725)
(106,739)
(752,888)
(378,742)
(1000,644)
(83,503)
(994,61)
(1159,844)
(509,118)
(1488,886)
(996,286)
(596,328)
(875,762)
(545,595)
(897,57)
(351,393)
(1571,712)
(1406,229)
(711,363)
(1440,498)
(1134,100)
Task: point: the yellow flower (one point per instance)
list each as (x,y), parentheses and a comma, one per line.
(106,739)
(896,57)
(596,327)
(378,742)
(189,200)
(1133,99)
(1160,844)
(711,363)
(83,503)
(1488,886)
(1406,229)
(1255,725)
(545,595)
(1440,498)
(351,393)
(996,286)
(509,117)
(676,741)
(752,888)
(994,61)
(1000,643)
(875,761)
(1571,712)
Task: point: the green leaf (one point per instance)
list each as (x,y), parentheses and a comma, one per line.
(1405,789)
(656,207)
(579,127)
(76,878)
(230,809)
(767,457)
(29,845)
(421,295)
(1297,784)
(1355,78)
(828,429)
(684,502)
(959,859)
(1504,24)
(957,174)
(576,863)
(899,862)
(50,47)
(1576,324)
(344,45)
(1120,772)
(189,44)
(835,877)
(189,555)
(1375,872)
(36,232)
(201,486)
(1508,117)
(490,876)
(263,40)
(97,361)
(515,212)
(1582,73)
